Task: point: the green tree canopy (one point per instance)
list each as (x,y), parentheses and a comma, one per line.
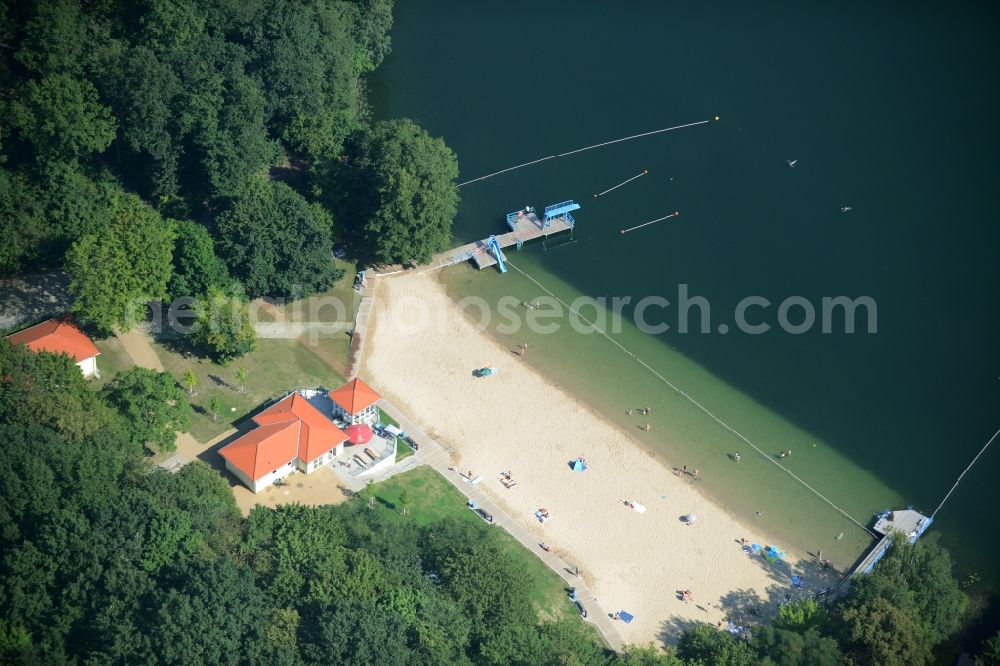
(62,119)
(23,223)
(409,179)
(152,402)
(222,325)
(276,242)
(781,647)
(924,569)
(704,644)
(196,268)
(877,632)
(118,269)
(212,614)
(49,389)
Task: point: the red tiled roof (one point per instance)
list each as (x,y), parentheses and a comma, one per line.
(355,396)
(289,429)
(57,336)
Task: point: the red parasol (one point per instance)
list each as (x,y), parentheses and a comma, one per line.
(359,433)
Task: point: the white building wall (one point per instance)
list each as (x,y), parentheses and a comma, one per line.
(88,366)
(324,459)
(244,479)
(367,415)
(264,481)
(270,478)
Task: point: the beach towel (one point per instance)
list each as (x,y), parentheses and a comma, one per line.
(625,617)
(635,506)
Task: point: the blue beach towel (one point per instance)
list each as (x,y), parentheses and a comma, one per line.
(625,617)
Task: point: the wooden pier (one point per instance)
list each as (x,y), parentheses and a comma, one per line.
(525,227)
(911,524)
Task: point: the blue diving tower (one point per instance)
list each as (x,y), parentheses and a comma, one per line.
(560,210)
(494,247)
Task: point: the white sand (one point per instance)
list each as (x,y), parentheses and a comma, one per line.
(516,420)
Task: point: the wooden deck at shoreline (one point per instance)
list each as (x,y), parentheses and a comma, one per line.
(527,227)
(911,524)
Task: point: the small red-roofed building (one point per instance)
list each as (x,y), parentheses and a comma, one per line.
(290,435)
(60,336)
(356,402)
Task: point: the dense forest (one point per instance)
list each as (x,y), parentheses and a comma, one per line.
(162,149)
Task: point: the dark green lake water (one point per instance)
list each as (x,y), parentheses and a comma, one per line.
(889,109)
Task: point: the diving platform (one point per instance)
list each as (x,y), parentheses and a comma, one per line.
(524,225)
(560,211)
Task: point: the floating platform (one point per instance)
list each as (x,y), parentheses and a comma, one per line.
(524,225)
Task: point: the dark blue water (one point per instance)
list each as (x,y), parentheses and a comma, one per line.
(890,109)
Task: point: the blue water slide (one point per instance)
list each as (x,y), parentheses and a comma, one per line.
(495,248)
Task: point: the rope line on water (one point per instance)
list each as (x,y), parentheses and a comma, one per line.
(629,138)
(697,404)
(580,150)
(959,479)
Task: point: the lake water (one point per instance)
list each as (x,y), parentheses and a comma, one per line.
(888,109)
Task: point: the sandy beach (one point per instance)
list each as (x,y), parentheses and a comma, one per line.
(421,354)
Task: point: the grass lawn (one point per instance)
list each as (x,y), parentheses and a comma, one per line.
(322,308)
(112,360)
(386,419)
(403,450)
(276,366)
(432,499)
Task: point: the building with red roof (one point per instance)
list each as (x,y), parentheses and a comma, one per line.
(290,435)
(60,336)
(356,402)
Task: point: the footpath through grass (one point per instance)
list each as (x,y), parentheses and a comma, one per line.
(432,499)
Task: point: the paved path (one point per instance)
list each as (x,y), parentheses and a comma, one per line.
(438,457)
(138,346)
(28,299)
(360,334)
